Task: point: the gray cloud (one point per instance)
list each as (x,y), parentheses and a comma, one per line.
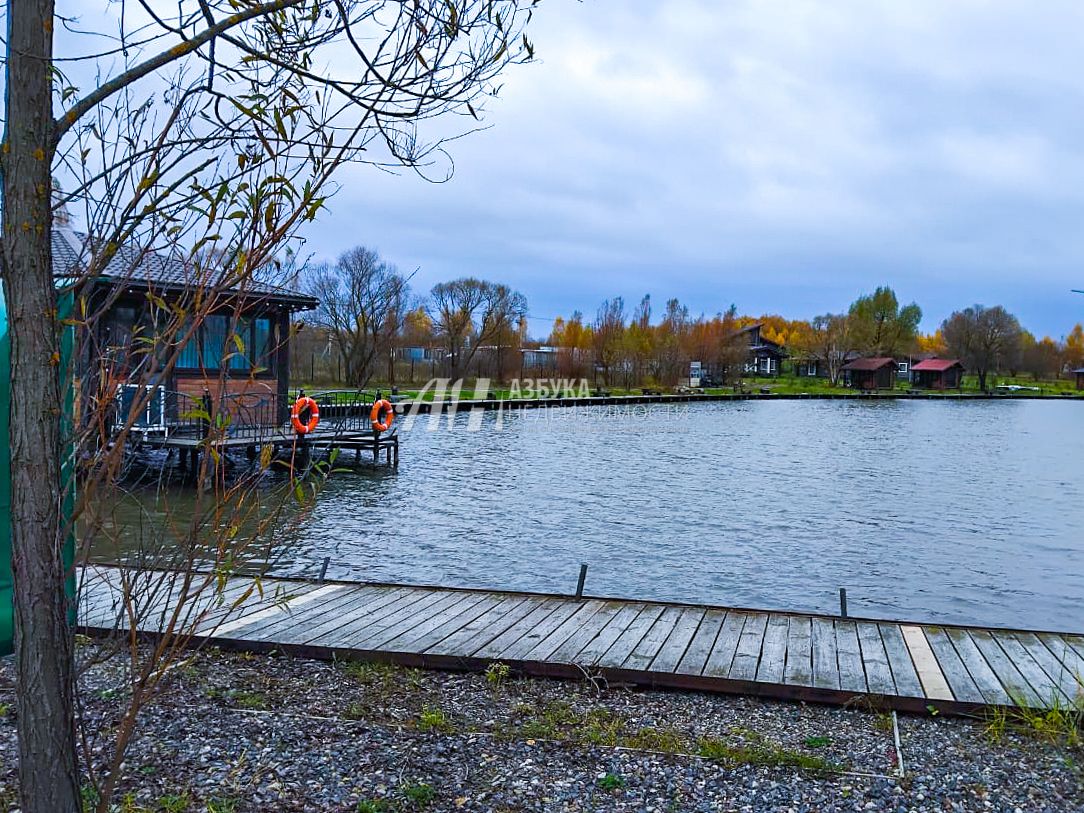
(783,155)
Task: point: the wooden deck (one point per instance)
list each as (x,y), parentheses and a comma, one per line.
(885,664)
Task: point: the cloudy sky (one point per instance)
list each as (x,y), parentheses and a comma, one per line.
(782,155)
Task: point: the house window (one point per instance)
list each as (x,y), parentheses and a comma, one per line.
(241,344)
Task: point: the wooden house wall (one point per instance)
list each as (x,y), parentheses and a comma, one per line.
(110,354)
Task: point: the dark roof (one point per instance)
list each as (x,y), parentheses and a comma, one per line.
(936,365)
(151,269)
(869,365)
(1078,371)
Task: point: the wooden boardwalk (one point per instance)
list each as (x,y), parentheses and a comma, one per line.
(817,658)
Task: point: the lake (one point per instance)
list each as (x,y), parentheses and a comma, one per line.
(966,512)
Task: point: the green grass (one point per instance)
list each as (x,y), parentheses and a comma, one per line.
(764,753)
(1061,723)
(786,384)
(611,781)
(418,795)
(434,720)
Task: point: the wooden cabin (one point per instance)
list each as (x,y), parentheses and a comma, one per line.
(1079,375)
(238,354)
(937,374)
(870,373)
(765,356)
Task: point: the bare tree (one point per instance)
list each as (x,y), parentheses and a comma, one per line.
(211,125)
(470,313)
(982,338)
(363,303)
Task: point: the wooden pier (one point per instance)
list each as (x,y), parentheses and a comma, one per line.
(385,445)
(797,656)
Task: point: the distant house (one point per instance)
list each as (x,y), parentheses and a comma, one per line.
(542,359)
(870,373)
(765,356)
(1079,373)
(937,374)
(808,366)
(240,349)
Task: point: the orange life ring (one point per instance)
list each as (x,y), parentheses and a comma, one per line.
(374,416)
(300,405)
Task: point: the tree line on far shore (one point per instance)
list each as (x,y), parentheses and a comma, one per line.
(371,325)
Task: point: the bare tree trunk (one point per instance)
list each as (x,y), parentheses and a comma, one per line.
(48,770)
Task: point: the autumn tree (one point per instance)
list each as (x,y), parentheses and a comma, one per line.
(203,123)
(878,326)
(1041,358)
(608,335)
(982,338)
(469,313)
(830,341)
(1074,347)
(574,341)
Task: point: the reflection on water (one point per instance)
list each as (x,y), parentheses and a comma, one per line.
(959,512)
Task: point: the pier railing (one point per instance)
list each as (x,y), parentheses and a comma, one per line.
(254,415)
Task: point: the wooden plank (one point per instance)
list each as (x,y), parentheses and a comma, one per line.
(280,624)
(673,649)
(852,672)
(959,679)
(985,680)
(426,635)
(1065,654)
(231,629)
(747,655)
(1046,688)
(301,627)
(773,654)
(530,638)
(641,657)
(1070,683)
(342,634)
(536,616)
(934,685)
(429,613)
(726,644)
(696,654)
(1076,642)
(874,659)
(569,651)
(799,667)
(489,623)
(364,607)
(1016,685)
(545,648)
(825,662)
(626,642)
(899,661)
(598,645)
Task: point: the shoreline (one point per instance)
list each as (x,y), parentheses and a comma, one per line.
(488,404)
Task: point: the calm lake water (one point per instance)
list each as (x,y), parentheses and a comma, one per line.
(957,512)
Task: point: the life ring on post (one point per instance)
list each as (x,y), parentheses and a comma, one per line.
(300,405)
(379,424)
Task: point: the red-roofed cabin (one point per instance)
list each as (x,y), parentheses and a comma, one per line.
(870,374)
(1079,373)
(937,374)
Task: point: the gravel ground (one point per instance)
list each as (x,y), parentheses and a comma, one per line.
(232,733)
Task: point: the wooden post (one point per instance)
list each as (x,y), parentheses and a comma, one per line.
(582,579)
(843,602)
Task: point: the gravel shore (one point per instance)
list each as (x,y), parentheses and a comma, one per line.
(233,732)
